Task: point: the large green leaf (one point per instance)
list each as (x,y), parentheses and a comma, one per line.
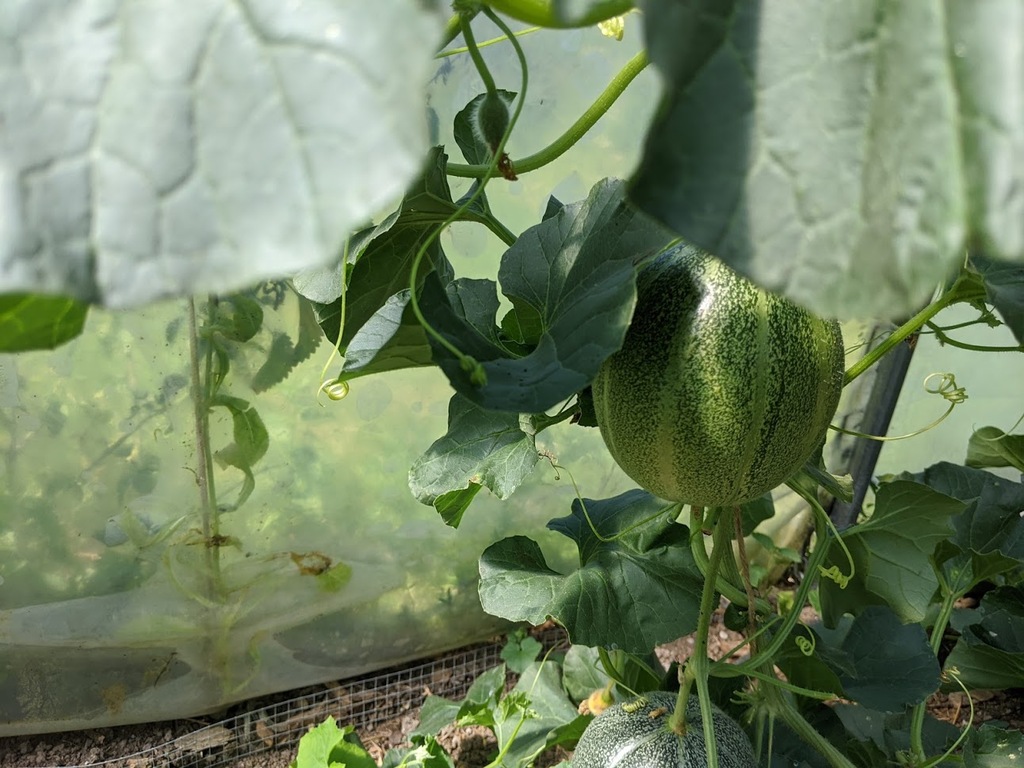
(990,651)
(992,524)
(892,553)
(636,585)
(30,321)
(988,535)
(381,332)
(549,713)
(890,733)
(570,280)
(481,448)
(991,447)
(1004,287)
(251,441)
(239,142)
(993,747)
(848,172)
(881,663)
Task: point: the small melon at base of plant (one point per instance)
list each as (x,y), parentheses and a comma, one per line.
(636,734)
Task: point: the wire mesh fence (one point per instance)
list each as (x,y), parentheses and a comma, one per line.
(265,732)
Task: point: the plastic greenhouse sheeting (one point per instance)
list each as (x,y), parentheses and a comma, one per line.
(113,611)
(111,608)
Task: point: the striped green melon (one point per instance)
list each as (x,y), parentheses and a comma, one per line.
(721,390)
(636,735)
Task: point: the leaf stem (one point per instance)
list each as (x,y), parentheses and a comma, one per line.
(474,53)
(575,132)
(964,289)
(700,556)
(949,598)
(477,371)
(503,233)
(699,666)
(200,416)
(783,708)
(943,338)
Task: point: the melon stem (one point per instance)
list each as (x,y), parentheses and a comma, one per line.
(698,667)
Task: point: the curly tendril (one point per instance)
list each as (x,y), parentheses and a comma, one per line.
(946,387)
(842,580)
(805,644)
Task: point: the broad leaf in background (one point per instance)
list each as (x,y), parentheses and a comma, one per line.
(988,535)
(520,651)
(1004,286)
(583,672)
(992,747)
(636,585)
(850,174)
(550,717)
(881,663)
(992,523)
(284,355)
(30,321)
(570,280)
(809,670)
(480,449)
(892,553)
(326,745)
(890,733)
(381,332)
(991,447)
(990,652)
(251,441)
(239,143)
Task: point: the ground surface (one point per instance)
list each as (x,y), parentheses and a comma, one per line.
(471,747)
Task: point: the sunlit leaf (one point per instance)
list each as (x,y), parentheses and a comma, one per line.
(31,321)
(850,173)
(224,151)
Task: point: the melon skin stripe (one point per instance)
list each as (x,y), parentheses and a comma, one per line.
(636,735)
(721,391)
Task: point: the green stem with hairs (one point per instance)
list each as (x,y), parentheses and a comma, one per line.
(943,338)
(575,132)
(949,598)
(784,710)
(963,289)
(699,665)
(477,373)
(478,60)
(700,556)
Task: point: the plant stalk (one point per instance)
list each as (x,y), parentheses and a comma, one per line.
(204,456)
(474,53)
(698,667)
(961,290)
(575,132)
(949,599)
